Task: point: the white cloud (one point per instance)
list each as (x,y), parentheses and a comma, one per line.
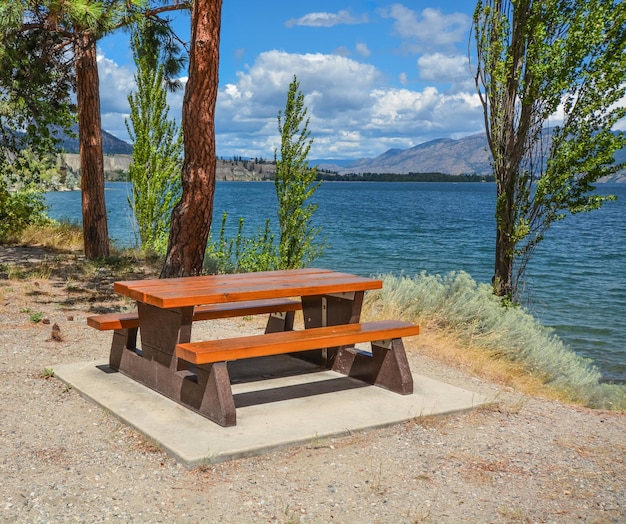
(323,19)
(425,115)
(116,83)
(439,67)
(328,80)
(360,48)
(428,30)
(363,50)
(342,51)
(352,114)
(450,69)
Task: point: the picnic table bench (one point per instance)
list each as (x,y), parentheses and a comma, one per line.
(195,374)
(126,325)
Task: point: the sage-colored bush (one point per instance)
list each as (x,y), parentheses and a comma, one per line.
(457,303)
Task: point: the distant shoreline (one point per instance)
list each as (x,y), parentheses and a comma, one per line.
(411,177)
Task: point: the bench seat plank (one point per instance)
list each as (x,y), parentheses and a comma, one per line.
(112,321)
(292,341)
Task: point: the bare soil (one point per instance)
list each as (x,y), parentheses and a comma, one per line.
(522,459)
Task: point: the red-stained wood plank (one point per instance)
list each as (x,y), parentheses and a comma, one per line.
(168,293)
(123,287)
(111,321)
(291,341)
(182,298)
(182,285)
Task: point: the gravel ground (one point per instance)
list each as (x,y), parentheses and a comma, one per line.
(522,459)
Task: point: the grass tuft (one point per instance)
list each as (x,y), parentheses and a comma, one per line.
(495,335)
(62,236)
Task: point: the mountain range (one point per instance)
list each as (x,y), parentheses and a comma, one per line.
(111,144)
(467,155)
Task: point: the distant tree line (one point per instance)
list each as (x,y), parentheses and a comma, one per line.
(396,177)
(241,159)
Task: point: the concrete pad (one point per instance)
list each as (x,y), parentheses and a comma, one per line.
(280,401)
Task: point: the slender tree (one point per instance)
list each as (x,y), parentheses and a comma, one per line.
(191,218)
(157,142)
(95,228)
(295,184)
(78,24)
(536,59)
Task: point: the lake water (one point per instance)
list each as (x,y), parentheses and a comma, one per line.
(574,281)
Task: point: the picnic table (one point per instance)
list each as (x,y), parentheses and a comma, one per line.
(195,374)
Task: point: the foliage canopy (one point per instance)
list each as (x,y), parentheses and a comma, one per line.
(64,35)
(551,76)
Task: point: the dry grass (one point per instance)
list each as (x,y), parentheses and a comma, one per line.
(59,236)
(472,327)
(450,349)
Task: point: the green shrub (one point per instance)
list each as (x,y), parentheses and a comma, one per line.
(241,254)
(457,303)
(18,210)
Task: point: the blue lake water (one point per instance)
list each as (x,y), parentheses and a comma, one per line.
(574,281)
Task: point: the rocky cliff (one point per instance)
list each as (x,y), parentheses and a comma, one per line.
(116,168)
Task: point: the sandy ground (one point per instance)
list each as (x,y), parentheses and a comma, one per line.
(62,459)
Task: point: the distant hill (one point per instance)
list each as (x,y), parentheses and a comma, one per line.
(116,168)
(468,155)
(111,144)
(465,156)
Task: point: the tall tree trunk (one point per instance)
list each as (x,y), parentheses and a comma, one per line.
(191,218)
(95,229)
(502,280)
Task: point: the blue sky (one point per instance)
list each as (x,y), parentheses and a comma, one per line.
(376,75)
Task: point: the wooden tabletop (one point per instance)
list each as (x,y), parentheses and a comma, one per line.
(214,289)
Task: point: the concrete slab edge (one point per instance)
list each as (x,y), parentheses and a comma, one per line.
(193,460)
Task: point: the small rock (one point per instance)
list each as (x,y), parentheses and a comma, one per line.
(56,335)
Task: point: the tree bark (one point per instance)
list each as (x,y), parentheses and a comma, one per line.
(95,229)
(502,280)
(191,218)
